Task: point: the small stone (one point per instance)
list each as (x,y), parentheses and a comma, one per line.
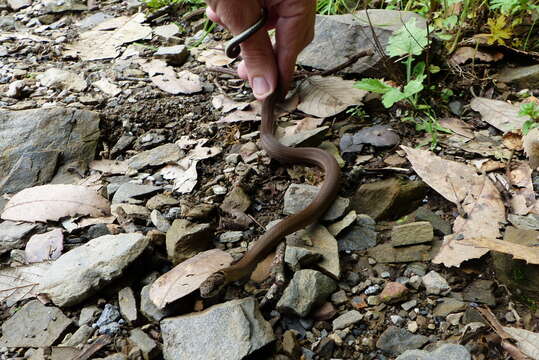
(159,221)
(415,282)
(393,292)
(185,239)
(290,345)
(159,155)
(127,304)
(440,226)
(435,283)
(110,314)
(373,300)
(167,32)
(173,55)
(409,304)
(87,314)
(79,337)
(112,328)
(443,352)
(307,289)
(395,341)
(128,190)
(454,319)
(146,344)
(148,308)
(412,327)
(299,196)
(510,317)
(339,226)
(526,77)
(396,320)
(219,190)
(386,253)
(361,236)
(339,297)
(236,201)
(448,306)
(371,290)
(231,236)
(480,291)
(324,312)
(63,79)
(161,200)
(412,234)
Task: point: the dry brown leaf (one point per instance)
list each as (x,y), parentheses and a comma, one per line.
(531,147)
(213,57)
(500,114)
(166,79)
(226,104)
(299,126)
(527,341)
(187,276)
(458,127)
(104,41)
(52,202)
(44,247)
(488,165)
(21,282)
(466,53)
(530,254)
(476,195)
(85,222)
(239,116)
(523,195)
(513,140)
(184,175)
(327,96)
(112,167)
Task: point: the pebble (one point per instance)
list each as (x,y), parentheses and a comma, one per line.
(347,319)
(435,283)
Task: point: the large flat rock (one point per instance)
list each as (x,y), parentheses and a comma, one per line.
(82,271)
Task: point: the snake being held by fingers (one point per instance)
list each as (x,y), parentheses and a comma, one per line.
(323,200)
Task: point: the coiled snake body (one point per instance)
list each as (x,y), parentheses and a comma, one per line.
(323,200)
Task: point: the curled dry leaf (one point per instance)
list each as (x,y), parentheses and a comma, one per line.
(513,140)
(466,53)
(527,341)
(21,282)
(166,79)
(522,192)
(327,96)
(213,57)
(52,202)
(226,104)
(530,254)
(46,246)
(240,116)
(500,114)
(531,147)
(184,175)
(475,195)
(187,276)
(458,127)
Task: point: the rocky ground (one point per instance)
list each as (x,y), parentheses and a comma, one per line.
(130,154)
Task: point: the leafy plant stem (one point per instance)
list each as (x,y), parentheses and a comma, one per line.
(529,34)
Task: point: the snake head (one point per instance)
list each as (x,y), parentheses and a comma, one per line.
(213,285)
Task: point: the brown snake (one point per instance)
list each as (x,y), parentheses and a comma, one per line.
(271,238)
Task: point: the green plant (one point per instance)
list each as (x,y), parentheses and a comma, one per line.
(405,43)
(357,111)
(332,7)
(531,110)
(512,7)
(190,4)
(431,126)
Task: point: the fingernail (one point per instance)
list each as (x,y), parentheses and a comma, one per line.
(260,86)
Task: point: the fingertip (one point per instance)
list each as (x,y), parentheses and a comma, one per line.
(212,15)
(242,71)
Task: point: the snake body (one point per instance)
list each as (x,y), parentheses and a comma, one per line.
(271,238)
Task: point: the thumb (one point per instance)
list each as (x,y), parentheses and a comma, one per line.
(260,63)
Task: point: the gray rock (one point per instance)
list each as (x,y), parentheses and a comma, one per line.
(160,155)
(34,325)
(528,222)
(440,225)
(336,228)
(173,55)
(18,4)
(131,190)
(91,266)
(148,308)
(386,253)
(444,352)
(339,37)
(395,341)
(231,236)
(347,319)
(229,331)
(185,239)
(307,289)
(65,6)
(158,201)
(87,314)
(361,236)
(72,132)
(123,142)
(159,221)
(298,196)
(110,329)
(146,344)
(13,235)
(526,77)
(110,314)
(448,306)
(117,356)
(411,234)
(92,20)
(409,304)
(63,79)
(127,304)
(435,283)
(31,169)
(79,337)
(310,244)
(480,291)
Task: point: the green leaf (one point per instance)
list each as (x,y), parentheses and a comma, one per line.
(373,85)
(391,97)
(530,109)
(528,125)
(408,40)
(413,87)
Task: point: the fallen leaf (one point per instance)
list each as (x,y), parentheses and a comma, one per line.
(213,57)
(513,140)
(226,104)
(327,96)
(52,202)
(46,246)
(527,341)
(531,147)
(466,53)
(458,127)
(203,152)
(308,123)
(488,165)
(187,276)
(107,87)
(500,114)
(166,79)
(21,282)
(85,222)
(109,167)
(530,254)
(240,116)
(480,144)
(184,175)
(377,135)
(475,194)
(522,192)
(104,41)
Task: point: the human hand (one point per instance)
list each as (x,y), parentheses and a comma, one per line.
(262,64)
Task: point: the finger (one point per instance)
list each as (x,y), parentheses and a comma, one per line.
(259,60)
(213,16)
(242,71)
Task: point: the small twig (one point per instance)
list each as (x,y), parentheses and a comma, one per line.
(193,14)
(347,63)
(256,222)
(88,352)
(223,70)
